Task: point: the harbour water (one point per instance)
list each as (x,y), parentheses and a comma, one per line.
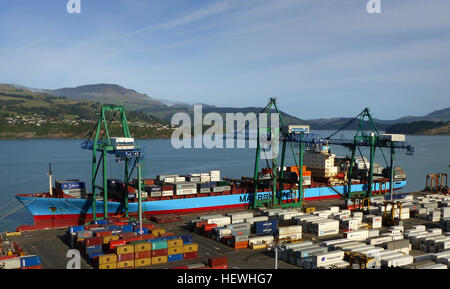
(24,164)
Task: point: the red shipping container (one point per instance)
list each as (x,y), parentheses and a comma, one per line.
(217,261)
(209,227)
(88,227)
(125,257)
(103,234)
(147,237)
(132,238)
(94,241)
(120,223)
(113,244)
(126,235)
(159,253)
(179,267)
(168,234)
(200,224)
(190,255)
(143,254)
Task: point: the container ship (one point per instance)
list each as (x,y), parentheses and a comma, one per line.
(324,177)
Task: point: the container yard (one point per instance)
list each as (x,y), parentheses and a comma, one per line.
(247,239)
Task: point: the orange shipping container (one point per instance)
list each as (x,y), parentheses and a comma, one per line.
(241,245)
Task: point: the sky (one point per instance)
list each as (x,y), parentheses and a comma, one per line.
(319,58)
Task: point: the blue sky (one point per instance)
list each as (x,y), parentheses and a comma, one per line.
(320,58)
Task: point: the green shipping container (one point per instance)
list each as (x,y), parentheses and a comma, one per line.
(159,244)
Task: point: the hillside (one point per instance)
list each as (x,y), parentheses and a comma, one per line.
(35,114)
(108,94)
(84,102)
(422,127)
(132,100)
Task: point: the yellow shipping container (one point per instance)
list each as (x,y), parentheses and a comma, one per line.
(107,258)
(106,239)
(126,264)
(175,250)
(174,243)
(143,262)
(190,248)
(141,247)
(159,260)
(257,246)
(108,266)
(124,249)
(158,232)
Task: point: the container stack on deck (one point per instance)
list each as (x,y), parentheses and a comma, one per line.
(112,244)
(175,186)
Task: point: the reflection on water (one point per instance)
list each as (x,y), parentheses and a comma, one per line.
(24,164)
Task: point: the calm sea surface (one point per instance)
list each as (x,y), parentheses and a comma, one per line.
(24,164)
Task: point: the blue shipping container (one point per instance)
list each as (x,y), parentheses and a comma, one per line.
(75,229)
(92,256)
(187,239)
(264,231)
(93,249)
(68,185)
(176,257)
(101,222)
(127,228)
(32,260)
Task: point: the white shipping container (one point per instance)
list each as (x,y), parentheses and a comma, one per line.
(333,209)
(327,258)
(167,193)
(290,230)
(217,220)
(357,235)
(261,240)
(186,192)
(256,219)
(290,236)
(335,242)
(10,263)
(398,261)
(379,240)
(435,266)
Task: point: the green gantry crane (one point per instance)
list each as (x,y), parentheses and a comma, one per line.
(372,139)
(122,147)
(276,171)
